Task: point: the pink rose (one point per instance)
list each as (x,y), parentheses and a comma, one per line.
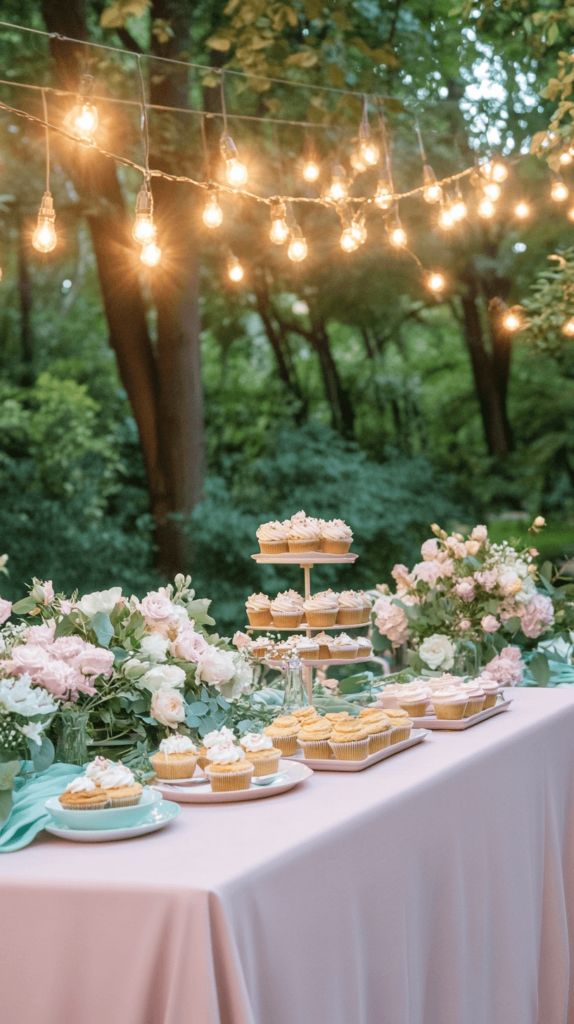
(490,624)
(456,547)
(189,646)
(48,592)
(487,579)
(30,658)
(66,607)
(464,625)
(70,649)
(62,680)
(156,608)
(537,616)
(465,589)
(96,662)
(401,576)
(5,610)
(241,639)
(479,533)
(429,572)
(391,621)
(43,635)
(429,550)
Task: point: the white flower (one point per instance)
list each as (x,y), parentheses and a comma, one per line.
(437,651)
(216,666)
(154,647)
(167,707)
(100,601)
(163,677)
(243,673)
(19,696)
(134,668)
(33,731)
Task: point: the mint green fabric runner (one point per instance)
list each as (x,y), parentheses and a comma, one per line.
(28,815)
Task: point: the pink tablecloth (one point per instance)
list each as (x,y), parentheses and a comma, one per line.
(434,888)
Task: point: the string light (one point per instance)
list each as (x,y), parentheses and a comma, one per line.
(311,171)
(522,210)
(44,238)
(338,187)
(559,191)
(349,241)
(359,230)
(570,213)
(297,250)
(432,192)
(492,191)
(446,220)
(279,232)
(144,229)
(566,158)
(358,163)
(384,194)
(486,208)
(235,171)
(396,232)
(458,209)
(368,150)
(212,212)
(83,119)
(568,328)
(513,319)
(235,271)
(150,254)
(435,282)
(498,171)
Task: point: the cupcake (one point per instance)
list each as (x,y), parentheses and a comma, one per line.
(262,648)
(321,609)
(313,738)
(442,682)
(306,714)
(96,767)
(227,768)
(343,647)
(491,689)
(365,647)
(287,609)
(213,739)
(303,534)
(476,698)
(120,785)
(308,649)
(449,703)
(176,758)
(351,611)
(367,605)
(284,731)
(401,724)
(261,753)
(414,700)
(336,537)
(272,539)
(336,716)
(323,639)
(259,610)
(378,726)
(349,740)
(82,794)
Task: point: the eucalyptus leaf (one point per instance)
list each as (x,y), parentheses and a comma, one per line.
(42,756)
(8,772)
(25,606)
(5,805)
(65,627)
(540,669)
(103,628)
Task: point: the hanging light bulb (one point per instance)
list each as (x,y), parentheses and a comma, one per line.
(559,191)
(492,191)
(235,172)
(446,219)
(44,238)
(85,119)
(144,229)
(297,250)
(235,271)
(570,213)
(338,187)
(486,208)
(358,162)
(498,171)
(566,158)
(396,232)
(311,171)
(212,212)
(435,282)
(349,241)
(370,152)
(458,209)
(513,319)
(568,328)
(150,254)
(359,230)
(522,210)
(384,194)
(279,232)
(432,192)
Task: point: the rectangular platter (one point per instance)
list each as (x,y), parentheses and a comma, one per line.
(305,558)
(332,765)
(304,625)
(430,722)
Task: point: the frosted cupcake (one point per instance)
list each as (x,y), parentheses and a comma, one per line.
(313,738)
(120,785)
(262,647)
(343,647)
(349,740)
(323,639)
(216,738)
(308,650)
(449,703)
(287,609)
(491,689)
(259,750)
(96,767)
(303,534)
(272,538)
(336,716)
(284,732)
(351,611)
(414,700)
(306,714)
(82,794)
(321,609)
(365,647)
(176,758)
(401,724)
(476,698)
(336,537)
(228,769)
(258,608)
(378,726)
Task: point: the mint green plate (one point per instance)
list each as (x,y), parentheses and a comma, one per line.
(109,817)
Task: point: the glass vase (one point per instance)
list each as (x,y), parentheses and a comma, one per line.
(466,659)
(295,689)
(72,746)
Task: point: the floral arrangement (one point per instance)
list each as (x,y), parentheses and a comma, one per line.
(465,593)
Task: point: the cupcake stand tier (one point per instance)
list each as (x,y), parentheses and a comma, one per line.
(458,724)
(271,628)
(306,560)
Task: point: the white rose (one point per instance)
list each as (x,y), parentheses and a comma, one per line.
(134,668)
(163,677)
(437,651)
(100,601)
(154,646)
(216,666)
(167,707)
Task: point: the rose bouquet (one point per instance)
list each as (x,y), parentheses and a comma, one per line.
(465,594)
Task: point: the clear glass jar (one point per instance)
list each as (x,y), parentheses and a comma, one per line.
(295,689)
(72,745)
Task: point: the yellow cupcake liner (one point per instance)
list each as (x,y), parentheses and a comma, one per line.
(379,740)
(354,750)
(449,712)
(304,545)
(264,765)
(321,618)
(335,547)
(316,750)
(351,616)
(286,744)
(173,769)
(260,618)
(474,707)
(288,621)
(341,652)
(229,782)
(490,701)
(273,547)
(415,710)
(400,733)
(87,807)
(126,801)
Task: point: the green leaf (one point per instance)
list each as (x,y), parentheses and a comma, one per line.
(8,772)
(552,35)
(43,755)
(540,669)
(198,708)
(103,628)
(119,653)
(546,571)
(65,627)
(513,624)
(192,721)
(5,805)
(25,606)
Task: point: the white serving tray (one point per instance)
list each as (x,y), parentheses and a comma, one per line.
(296,773)
(332,765)
(305,625)
(431,722)
(157,818)
(304,558)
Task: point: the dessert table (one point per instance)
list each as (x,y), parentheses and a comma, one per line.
(436,887)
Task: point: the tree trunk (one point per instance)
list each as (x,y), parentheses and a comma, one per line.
(489,398)
(342,412)
(25,293)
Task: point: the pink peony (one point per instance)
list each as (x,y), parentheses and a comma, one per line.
(43,635)
(480,533)
(5,610)
(30,658)
(401,576)
(506,668)
(429,550)
(189,646)
(62,680)
(464,625)
(538,616)
(96,662)
(465,589)
(70,649)
(241,639)
(487,579)
(433,571)
(391,621)
(490,623)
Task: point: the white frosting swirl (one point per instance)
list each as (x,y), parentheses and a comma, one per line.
(96,768)
(258,603)
(414,694)
(254,741)
(343,641)
(115,776)
(272,531)
(326,601)
(287,603)
(350,600)
(336,529)
(81,785)
(301,527)
(177,744)
(449,696)
(218,737)
(225,753)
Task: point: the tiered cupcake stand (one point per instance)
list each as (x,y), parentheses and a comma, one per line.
(306,561)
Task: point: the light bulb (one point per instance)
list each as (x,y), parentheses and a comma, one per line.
(568,328)
(311,171)
(498,171)
(458,210)
(359,231)
(384,195)
(571,213)
(297,250)
(486,208)
(150,254)
(432,192)
(370,152)
(349,241)
(398,237)
(558,192)
(446,220)
(44,238)
(492,190)
(435,282)
(513,320)
(82,120)
(212,213)
(235,271)
(522,210)
(357,162)
(566,158)
(338,187)
(279,232)
(144,229)
(236,173)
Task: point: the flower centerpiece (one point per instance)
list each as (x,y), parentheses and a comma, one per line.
(465,594)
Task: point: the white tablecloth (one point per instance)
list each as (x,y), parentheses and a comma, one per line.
(434,888)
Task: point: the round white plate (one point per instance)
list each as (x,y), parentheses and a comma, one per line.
(157,818)
(296,773)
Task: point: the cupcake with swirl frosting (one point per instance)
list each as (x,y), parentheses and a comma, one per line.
(118,782)
(272,538)
(283,732)
(343,647)
(83,794)
(228,769)
(314,737)
(259,750)
(378,726)
(336,537)
(287,609)
(303,534)
(258,608)
(351,609)
(349,740)
(176,758)
(322,609)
